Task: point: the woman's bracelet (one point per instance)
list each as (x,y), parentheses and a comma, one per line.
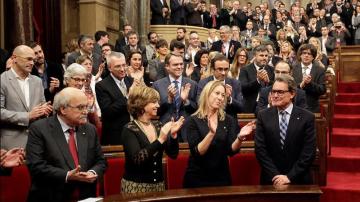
(239,137)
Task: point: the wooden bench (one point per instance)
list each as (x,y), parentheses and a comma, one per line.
(349,63)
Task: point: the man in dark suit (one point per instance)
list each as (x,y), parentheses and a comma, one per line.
(269,27)
(327,42)
(133,39)
(111,94)
(86,44)
(255,76)
(220,66)
(281,68)
(123,41)
(226,45)
(51,73)
(193,13)
(177,93)
(239,17)
(63,152)
(310,76)
(285,138)
(178,13)
(159,12)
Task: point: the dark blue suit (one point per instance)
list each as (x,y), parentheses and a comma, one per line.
(168,110)
(298,153)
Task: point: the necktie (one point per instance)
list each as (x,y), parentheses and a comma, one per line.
(213,21)
(283,127)
(304,70)
(72,146)
(123,88)
(177,100)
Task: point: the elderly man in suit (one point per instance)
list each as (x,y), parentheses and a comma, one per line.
(63,153)
(22,99)
(281,68)
(255,76)
(86,44)
(112,94)
(310,76)
(220,67)
(226,45)
(285,138)
(177,93)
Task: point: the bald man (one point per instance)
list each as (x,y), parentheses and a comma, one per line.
(22,99)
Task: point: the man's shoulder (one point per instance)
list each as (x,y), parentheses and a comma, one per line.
(204,81)
(187,80)
(161,81)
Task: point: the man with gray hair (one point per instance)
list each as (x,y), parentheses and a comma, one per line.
(86,45)
(22,99)
(226,45)
(112,94)
(285,140)
(63,152)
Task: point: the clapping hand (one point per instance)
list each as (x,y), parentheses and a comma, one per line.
(247,129)
(185,90)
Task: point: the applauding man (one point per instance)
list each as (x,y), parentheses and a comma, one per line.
(63,152)
(177,93)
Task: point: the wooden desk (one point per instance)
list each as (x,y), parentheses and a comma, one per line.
(308,193)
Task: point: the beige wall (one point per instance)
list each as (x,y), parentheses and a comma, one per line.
(88,16)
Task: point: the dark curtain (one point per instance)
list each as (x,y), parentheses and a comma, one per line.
(47,27)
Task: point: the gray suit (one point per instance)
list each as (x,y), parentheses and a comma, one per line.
(356,23)
(14,111)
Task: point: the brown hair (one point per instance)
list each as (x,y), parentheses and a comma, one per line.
(139,97)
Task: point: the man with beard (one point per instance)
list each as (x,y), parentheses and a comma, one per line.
(51,73)
(181,36)
(255,76)
(150,48)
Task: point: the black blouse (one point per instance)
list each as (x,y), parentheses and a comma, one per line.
(143,160)
(212,168)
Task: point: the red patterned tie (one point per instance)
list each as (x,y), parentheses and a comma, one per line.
(72,146)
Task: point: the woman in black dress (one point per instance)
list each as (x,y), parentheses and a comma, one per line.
(144,142)
(212,137)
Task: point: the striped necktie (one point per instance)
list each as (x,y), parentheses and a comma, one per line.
(283,127)
(177,101)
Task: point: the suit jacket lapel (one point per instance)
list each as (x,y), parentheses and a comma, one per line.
(81,146)
(60,140)
(275,122)
(14,83)
(115,87)
(291,129)
(31,92)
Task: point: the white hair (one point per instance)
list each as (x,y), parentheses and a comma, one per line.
(62,98)
(72,70)
(113,54)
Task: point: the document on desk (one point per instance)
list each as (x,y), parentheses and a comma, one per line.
(97,199)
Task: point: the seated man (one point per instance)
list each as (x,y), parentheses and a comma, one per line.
(63,152)
(285,139)
(220,66)
(264,102)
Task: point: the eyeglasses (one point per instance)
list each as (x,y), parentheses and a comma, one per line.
(222,69)
(281,72)
(80,107)
(78,79)
(279,92)
(28,59)
(306,53)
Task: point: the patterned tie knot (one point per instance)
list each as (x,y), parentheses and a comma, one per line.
(282,113)
(71,131)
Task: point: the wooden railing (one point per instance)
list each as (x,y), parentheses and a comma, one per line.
(235,193)
(349,63)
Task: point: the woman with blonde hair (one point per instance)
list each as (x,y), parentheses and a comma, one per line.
(287,53)
(212,136)
(321,58)
(145,140)
(241,59)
